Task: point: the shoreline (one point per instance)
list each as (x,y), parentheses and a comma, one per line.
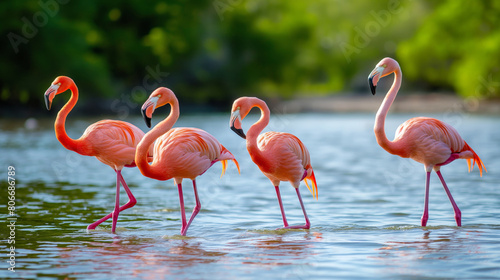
(411,103)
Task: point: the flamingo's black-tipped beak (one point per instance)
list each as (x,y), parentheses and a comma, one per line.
(372,87)
(148,108)
(239,131)
(235,122)
(49,95)
(48,104)
(374,77)
(146,118)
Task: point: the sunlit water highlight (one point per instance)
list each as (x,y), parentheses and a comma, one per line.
(364,225)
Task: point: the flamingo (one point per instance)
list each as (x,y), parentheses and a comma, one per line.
(280,156)
(111,142)
(425,140)
(178,152)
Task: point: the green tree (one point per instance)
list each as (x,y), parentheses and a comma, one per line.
(457,46)
(105,46)
(217,50)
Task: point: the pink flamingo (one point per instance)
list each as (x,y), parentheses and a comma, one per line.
(280,156)
(178,152)
(111,142)
(425,140)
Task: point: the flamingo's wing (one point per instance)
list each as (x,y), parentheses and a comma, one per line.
(289,156)
(113,142)
(434,142)
(188,152)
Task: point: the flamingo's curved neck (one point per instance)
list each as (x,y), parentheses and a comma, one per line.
(141,154)
(253,134)
(379,128)
(60,129)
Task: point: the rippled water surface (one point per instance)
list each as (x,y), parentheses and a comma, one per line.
(364,225)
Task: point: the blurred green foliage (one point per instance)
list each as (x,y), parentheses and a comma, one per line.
(213,51)
(457,46)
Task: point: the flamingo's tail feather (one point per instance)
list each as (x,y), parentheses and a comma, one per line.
(314,187)
(474,160)
(224,166)
(225,156)
(237,165)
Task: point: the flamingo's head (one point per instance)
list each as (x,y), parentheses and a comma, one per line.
(59,85)
(385,67)
(241,108)
(160,97)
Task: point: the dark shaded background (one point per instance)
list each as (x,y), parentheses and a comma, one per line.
(211,52)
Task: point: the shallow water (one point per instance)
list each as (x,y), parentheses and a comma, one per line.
(364,225)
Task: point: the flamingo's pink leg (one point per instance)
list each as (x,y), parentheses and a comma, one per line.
(285,223)
(196,209)
(183,211)
(458,214)
(116,211)
(425,216)
(131,199)
(308,224)
(131,202)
